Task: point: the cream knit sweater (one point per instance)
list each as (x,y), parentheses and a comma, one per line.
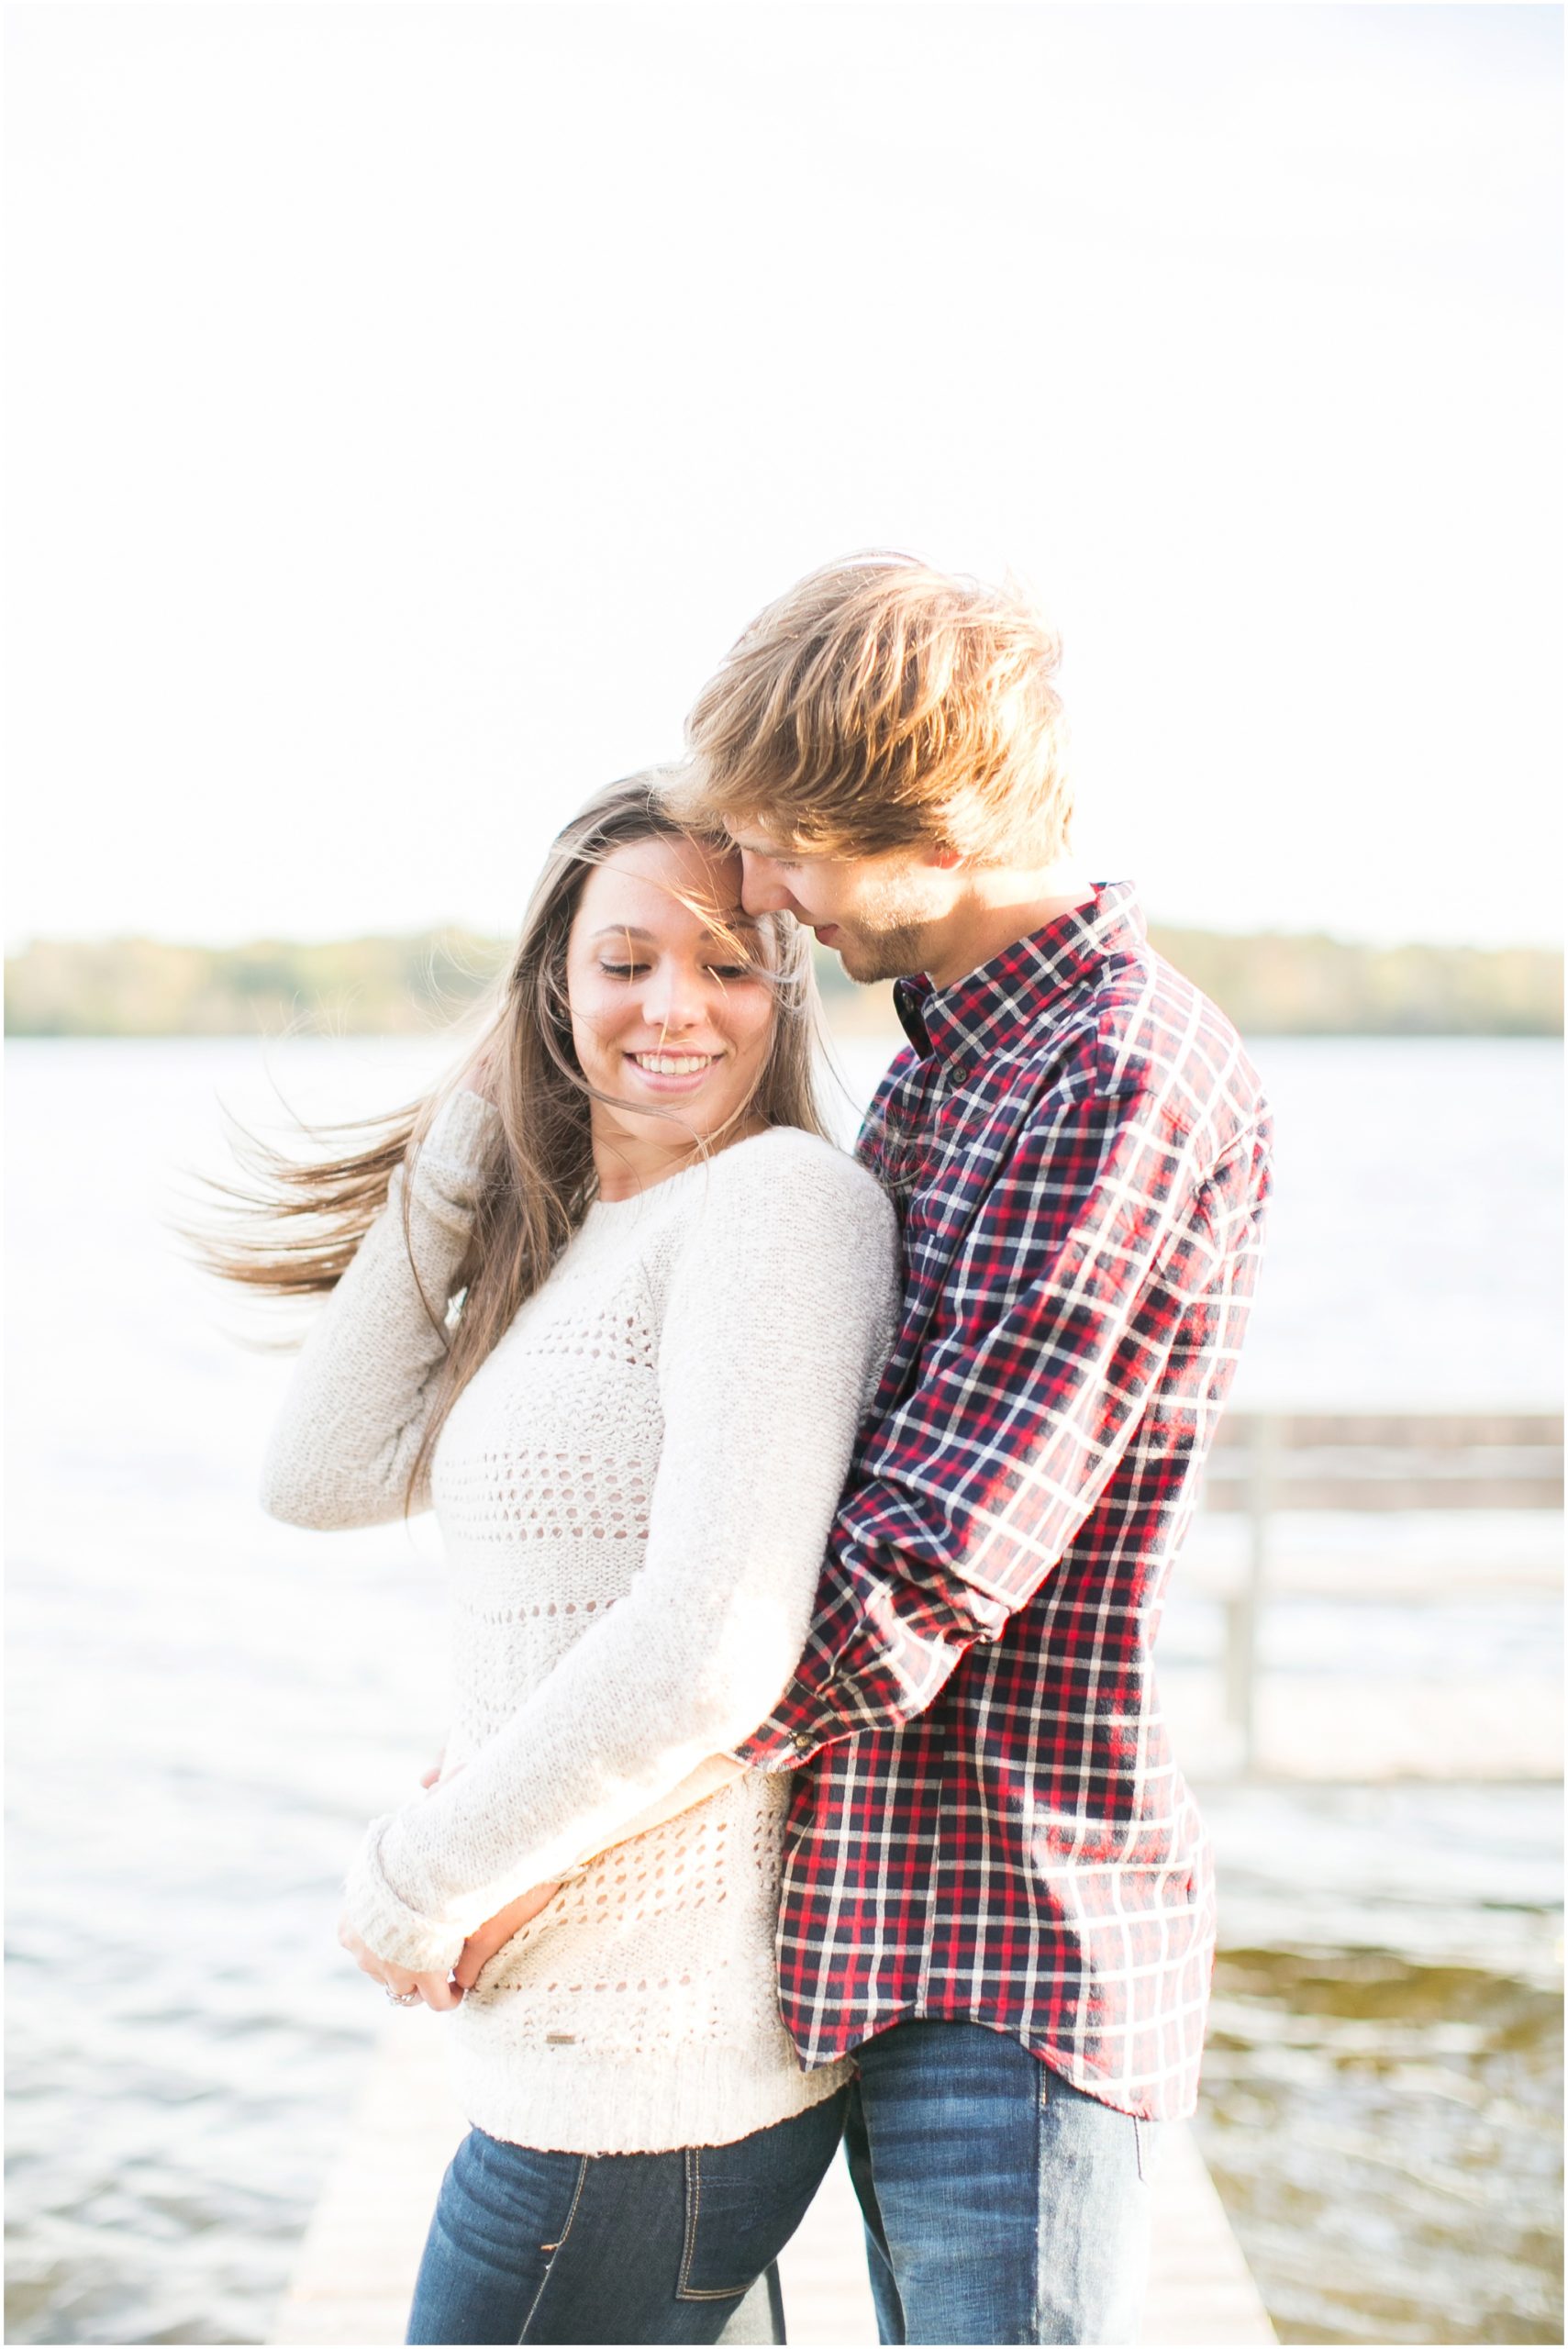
(634,1492)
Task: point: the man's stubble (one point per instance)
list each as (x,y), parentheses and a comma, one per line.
(895,953)
(893,940)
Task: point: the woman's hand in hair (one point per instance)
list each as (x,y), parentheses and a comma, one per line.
(479,1077)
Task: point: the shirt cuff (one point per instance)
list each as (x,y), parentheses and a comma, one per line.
(800,1726)
(385,1923)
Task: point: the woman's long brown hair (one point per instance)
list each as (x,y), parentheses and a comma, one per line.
(298,1226)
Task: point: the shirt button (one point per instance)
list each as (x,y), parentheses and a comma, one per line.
(797,1738)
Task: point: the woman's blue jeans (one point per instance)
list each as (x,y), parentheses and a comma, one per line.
(619,2247)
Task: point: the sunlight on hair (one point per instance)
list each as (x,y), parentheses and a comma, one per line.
(291,1228)
(881,704)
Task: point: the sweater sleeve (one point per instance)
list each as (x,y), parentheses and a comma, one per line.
(779,1313)
(361,1394)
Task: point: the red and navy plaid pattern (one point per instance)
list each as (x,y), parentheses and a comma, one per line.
(995,1829)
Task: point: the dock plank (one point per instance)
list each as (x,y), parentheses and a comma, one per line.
(354,2275)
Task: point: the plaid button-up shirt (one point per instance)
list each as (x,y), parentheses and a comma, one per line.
(991,1826)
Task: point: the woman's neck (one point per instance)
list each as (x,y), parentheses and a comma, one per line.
(626,1163)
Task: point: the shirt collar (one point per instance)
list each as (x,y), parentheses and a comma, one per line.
(985,1008)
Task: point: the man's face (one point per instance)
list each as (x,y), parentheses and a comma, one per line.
(877,913)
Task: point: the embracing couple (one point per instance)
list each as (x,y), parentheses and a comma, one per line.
(807,1516)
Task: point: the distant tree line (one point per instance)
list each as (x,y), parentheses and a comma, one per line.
(1270,984)
(1277,984)
(139,986)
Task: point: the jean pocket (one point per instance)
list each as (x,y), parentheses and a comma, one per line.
(744,2200)
(718,2260)
(1149,2137)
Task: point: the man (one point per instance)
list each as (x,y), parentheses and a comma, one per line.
(998,1893)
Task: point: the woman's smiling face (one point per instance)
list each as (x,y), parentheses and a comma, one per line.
(672,1010)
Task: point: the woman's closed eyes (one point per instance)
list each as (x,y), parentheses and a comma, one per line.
(716,969)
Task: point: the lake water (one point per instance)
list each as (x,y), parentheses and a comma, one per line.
(204,1707)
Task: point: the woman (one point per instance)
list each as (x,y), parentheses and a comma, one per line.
(613,1305)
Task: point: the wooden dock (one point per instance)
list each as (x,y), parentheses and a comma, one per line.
(355,2270)
(1273,1468)
(1230,1717)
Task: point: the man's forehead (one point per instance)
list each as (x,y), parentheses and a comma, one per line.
(754,839)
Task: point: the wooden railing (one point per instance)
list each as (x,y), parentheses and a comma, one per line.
(1264,1462)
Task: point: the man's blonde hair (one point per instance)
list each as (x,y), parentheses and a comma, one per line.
(881,704)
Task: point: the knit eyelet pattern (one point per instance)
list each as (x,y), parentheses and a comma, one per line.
(634,1493)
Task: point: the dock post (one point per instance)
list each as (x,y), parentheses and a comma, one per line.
(1243,1609)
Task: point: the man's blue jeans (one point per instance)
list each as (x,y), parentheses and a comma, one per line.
(536,2247)
(1001,2204)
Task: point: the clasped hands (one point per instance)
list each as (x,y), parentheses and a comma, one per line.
(438,1990)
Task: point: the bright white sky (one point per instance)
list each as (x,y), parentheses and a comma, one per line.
(408,404)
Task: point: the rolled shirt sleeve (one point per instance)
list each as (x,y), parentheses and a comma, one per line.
(1056,1320)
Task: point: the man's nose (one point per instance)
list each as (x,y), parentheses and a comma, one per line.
(763,886)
